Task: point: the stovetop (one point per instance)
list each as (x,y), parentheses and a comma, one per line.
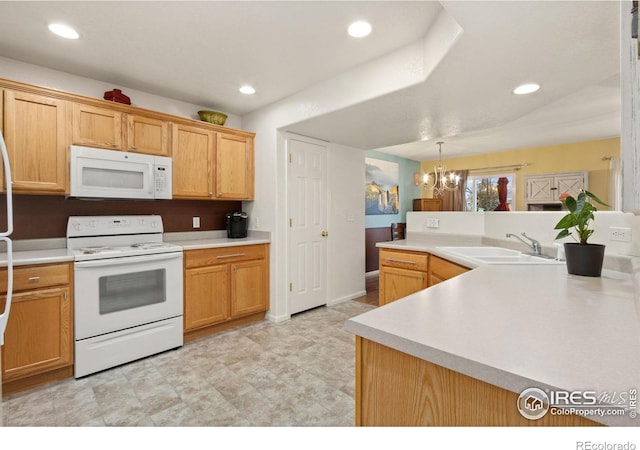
(100,237)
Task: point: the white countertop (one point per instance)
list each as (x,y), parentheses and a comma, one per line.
(519,326)
(195,244)
(23,258)
(41,251)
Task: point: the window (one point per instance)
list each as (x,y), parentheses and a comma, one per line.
(481,192)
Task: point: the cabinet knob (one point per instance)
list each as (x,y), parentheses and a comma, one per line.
(210,194)
(324,234)
(219,194)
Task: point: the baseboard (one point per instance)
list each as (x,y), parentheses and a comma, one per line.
(346,298)
(277,319)
(373,273)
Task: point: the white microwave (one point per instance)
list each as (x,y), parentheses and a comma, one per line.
(98,173)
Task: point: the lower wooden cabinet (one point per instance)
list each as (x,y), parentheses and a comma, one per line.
(404,272)
(441,270)
(401,273)
(38,345)
(224,287)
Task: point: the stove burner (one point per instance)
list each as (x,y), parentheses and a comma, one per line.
(92,250)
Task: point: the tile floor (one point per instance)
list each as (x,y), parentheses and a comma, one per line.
(296,373)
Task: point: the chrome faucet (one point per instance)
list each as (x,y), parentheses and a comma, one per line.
(535,245)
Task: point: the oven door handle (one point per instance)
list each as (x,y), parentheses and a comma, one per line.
(126,260)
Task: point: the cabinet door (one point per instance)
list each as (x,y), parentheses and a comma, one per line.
(540,189)
(441,270)
(248,288)
(146,135)
(397,283)
(571,184)
(192,162)
(206,296)
(36,136)
(97,127)
(234,167)
(39,334)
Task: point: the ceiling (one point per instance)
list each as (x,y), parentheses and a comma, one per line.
(201,52)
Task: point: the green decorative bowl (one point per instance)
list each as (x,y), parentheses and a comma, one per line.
(214,117)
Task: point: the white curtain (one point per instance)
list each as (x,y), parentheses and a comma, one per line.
(615,184)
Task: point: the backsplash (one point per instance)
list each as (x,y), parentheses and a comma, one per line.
(36,216)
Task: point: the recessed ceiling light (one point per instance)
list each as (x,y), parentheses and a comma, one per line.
(247,90)
(526,88)
(359,29)
(63,31)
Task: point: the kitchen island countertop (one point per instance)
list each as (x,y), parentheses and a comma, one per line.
(518,327)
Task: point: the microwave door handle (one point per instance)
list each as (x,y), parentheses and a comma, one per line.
(79,265)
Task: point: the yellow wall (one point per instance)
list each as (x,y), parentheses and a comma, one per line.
(574,157)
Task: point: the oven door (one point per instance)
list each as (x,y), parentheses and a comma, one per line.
(118,293)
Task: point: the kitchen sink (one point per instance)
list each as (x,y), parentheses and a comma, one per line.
(496,255)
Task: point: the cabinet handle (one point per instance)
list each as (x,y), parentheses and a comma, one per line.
(230,256)
(134,147)
(32,279)
(219,194)
(401,261)
(64,295)
(114,145)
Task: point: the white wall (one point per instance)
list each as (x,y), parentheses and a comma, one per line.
(345,250)
(630,99)
(538,225)
(28,73)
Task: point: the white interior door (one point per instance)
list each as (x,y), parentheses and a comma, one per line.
(307,206)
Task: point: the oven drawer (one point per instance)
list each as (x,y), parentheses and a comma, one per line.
(37,276)
(223,255)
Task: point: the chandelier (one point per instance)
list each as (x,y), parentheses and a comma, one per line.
(441,180)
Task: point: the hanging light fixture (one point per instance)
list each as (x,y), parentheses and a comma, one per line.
(441,180)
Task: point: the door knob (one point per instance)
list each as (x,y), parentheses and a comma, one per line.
(324,234)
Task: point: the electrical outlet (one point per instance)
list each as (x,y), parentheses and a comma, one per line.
(433,223)
(196,222)
(620,234)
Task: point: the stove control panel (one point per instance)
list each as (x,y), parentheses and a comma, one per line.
(113,225)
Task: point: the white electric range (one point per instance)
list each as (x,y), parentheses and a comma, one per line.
(128,290)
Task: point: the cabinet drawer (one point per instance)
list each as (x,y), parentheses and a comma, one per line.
(212,256)
(33,277)
(443,269)
(404,259)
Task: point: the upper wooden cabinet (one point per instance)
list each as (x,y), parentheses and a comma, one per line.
(39,124)
(97,127)
(103,127)
(193,150)
(36,134)
(234,167)
(147,135)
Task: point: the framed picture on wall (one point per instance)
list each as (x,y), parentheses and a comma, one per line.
(381,188)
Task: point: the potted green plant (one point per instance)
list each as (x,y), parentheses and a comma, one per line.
(582,257)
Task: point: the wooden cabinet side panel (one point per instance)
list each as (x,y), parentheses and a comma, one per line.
(401,390)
